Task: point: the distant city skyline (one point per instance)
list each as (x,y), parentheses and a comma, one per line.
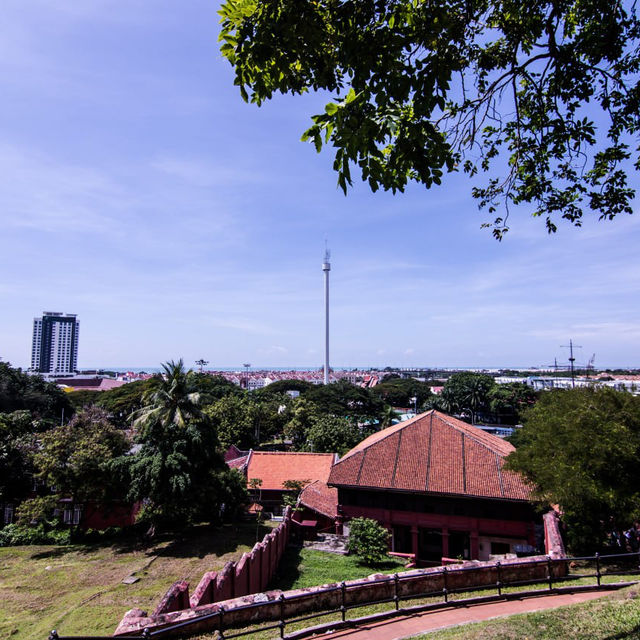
(140,192)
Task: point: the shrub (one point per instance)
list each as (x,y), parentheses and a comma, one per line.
(15,535)
(368,540)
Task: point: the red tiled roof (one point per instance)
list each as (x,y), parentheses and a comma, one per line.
(238,463)
(320,498)
(432,453)
(275,467)
(90,384)
(233,452)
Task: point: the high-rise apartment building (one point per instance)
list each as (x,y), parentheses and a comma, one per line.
(55,343)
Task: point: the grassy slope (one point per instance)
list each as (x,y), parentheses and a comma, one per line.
(78,589)
(301,568)
(615,617)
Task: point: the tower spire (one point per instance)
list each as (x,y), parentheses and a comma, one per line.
(326,267)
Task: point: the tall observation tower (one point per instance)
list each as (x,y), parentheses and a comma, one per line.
(326,267)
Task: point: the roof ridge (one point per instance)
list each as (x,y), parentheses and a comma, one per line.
(395,464)
(499,467)
(464,465)
(361,465)
(446,419)
(426,480)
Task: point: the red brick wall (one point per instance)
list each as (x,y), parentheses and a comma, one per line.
(251,574)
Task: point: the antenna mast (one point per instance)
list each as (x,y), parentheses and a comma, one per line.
(326,267)
(571,361)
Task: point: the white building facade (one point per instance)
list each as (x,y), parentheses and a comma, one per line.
(54,348)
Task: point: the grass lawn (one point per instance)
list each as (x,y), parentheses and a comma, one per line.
(78,589)
(614,617)
(301,568)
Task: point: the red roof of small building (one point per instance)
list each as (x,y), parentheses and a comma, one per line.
(89,384)
(276,467)
(432,453)
(233,452)
(321,498)
(238,463)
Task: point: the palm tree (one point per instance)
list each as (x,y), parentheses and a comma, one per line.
(174,401)
(177,470)
(388,416)
(475,398)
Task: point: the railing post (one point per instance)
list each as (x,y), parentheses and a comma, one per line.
(282,615)
(343,605)
(396,594)
(221,623)
(53,635)
(598,574)
(445,592)
(549,573)
(499,577)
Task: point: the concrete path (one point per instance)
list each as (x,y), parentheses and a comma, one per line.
(414,624)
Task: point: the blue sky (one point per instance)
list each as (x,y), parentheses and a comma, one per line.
(138,191)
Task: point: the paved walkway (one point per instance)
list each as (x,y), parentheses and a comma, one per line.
(411,625)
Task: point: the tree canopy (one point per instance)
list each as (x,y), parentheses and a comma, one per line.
(179,471)
(120,403)
(282,386)
(76,458)
(19,391)
(543,98)
(346,400)
(17,446)
(466,392)
(580,448)
(399,392)
(330,434)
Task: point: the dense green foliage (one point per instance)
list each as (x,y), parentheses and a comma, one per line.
(543,97)
(399,392)
(508,401)
(19,391)
(368,540)
(302,417)
(282,386)
(346,400)
(476,395)
(246,421)
(122,402)
(76,458)
(179,471)
(330,434)
(17,535)
(18,443)
(580,448)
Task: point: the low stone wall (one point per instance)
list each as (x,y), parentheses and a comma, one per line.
(273,604)
(552,535)
(250,574)
(244,582)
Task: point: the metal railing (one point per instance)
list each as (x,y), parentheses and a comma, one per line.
(628,564)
